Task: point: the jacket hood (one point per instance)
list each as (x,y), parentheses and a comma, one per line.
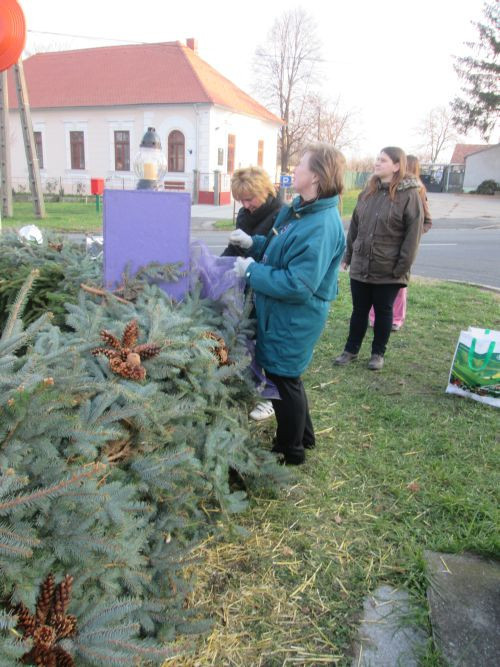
(404,184)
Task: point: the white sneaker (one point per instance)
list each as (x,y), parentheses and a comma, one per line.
(262,411)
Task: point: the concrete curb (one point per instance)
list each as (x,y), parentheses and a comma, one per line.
(489,288)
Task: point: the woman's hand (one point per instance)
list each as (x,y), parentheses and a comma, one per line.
(241,264)
(344,266)
(239,238)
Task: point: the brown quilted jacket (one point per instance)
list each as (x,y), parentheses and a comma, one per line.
(384,234)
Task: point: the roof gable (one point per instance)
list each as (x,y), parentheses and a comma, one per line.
(165,73)
(461,151)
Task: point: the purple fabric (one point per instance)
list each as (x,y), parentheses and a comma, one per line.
(144,226)
(216,275)
(220,283)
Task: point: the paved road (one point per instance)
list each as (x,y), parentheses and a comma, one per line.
(464,250)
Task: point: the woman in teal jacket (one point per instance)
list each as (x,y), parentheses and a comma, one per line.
(294,272)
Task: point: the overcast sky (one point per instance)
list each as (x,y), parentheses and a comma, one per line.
(391,61)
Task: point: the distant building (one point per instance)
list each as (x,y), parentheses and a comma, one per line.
(482,165)
(91,107)
(461,151)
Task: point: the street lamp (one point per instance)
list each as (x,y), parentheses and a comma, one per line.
(150,163)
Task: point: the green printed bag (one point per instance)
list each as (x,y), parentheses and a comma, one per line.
(475,371)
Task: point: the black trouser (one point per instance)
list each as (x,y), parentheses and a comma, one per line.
(364,296)
(295,430)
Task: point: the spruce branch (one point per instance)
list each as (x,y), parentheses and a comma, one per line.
(19,304)
(54,490)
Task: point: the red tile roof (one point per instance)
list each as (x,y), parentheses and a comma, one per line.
(463,150)
(165,73)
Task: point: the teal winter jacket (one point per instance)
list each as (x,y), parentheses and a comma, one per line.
(294,282)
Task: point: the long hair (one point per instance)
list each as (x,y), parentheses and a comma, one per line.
(413,165)
(252,182)
(398,156)
(329,165)
(413,168)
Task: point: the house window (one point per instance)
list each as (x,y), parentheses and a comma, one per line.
(122,150)
(260,153)
(38,148)
(176,148)
(231,146)
(220,157)
(77,150)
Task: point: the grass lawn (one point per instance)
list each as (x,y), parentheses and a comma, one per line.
(348,203)
(399,467)
(61,216)
(83,217)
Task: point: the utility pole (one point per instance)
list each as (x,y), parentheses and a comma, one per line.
(6,183)
(29,141)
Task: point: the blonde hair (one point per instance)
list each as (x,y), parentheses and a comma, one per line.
(329,165)
(398,156)
(252,182)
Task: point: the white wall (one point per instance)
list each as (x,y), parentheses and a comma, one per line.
(247,130)
(205,128)
(99,125)
(482,166)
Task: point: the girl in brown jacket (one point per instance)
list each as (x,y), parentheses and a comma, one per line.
(399,307)
(382,244)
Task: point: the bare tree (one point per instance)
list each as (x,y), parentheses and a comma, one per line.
(285,69)
(331,122)
(437,132)
(362,164)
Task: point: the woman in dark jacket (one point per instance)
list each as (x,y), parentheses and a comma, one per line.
(259,209)
(259,204)
(382,244)
(293,273)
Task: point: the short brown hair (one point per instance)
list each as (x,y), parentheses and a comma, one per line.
(252,182)
(329,165)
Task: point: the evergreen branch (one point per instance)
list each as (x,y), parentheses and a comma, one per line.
(101,292)
(19,304)
(16,550)
(56,489)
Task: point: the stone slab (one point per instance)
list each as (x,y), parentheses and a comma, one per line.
(386,637)
(464,599)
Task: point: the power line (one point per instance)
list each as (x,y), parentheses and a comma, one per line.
(132,41)
(66,34)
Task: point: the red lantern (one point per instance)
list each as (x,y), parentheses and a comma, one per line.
(12,33)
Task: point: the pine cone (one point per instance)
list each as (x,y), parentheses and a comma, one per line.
(44,637)
(63,658)
(105,351)
(110,339)
(147,350)
(44,600)
(62,595)
(130,334)
(25,620)
(65,626)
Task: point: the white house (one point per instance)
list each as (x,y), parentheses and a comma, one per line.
(483,165)
(91,107)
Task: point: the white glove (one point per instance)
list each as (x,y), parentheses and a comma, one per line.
(241,265)
(239,238)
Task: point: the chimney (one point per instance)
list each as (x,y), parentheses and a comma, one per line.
(192,44)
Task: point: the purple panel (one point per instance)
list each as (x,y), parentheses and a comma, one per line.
(143,226)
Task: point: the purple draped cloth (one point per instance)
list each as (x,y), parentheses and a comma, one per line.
(220,283)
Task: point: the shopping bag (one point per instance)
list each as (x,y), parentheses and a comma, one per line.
(475,371)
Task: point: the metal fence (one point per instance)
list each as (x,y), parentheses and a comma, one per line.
(80,185)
